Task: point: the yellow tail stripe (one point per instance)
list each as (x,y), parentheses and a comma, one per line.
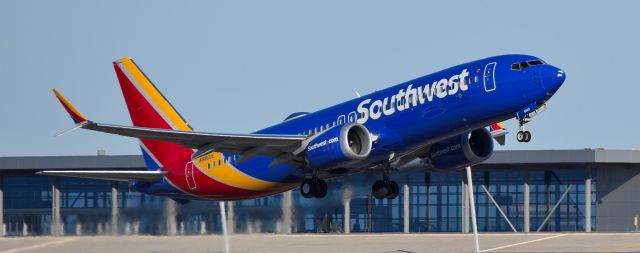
(154,94)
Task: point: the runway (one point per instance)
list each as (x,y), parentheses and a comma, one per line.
(322,243)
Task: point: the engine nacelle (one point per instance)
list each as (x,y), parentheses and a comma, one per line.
(339,146)
(462,150)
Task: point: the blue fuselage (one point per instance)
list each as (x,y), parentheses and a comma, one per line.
(485,91)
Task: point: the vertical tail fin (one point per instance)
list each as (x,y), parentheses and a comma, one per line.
(149,108)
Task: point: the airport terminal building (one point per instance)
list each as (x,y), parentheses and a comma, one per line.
(520,191)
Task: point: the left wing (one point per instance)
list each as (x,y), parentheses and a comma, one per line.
(285,148)
(230,143)
(144,176)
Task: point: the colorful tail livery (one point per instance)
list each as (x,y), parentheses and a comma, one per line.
(438,120)
(149,108)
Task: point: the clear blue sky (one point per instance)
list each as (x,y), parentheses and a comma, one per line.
(238,66)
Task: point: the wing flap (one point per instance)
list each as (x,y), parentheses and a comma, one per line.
(117,175)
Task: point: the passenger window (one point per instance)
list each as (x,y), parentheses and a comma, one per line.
(328,126)
(475,79)
(353,117)
(209,166)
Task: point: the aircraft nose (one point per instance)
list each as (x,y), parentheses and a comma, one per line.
(553,78)
(560,76)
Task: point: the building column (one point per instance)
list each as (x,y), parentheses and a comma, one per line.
(55,208)
(587,201)
(287,212)
(2,227)
(114,208)
(526,210)
(231,218)
(369,212)
(170,211)
(346,202)
(465,204)
(406,191)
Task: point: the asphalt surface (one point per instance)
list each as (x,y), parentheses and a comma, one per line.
(311,243)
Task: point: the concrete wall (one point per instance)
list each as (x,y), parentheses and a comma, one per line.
(618,198)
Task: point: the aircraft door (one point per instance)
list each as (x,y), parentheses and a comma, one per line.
(188,172)
(489,77)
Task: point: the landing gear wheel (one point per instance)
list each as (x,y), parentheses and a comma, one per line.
(379,189)
(313,188)
(385,189)
(307,188)
(527,136)
(320,188)
(394,189)
(520,136)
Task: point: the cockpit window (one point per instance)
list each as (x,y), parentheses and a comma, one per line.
(526,64)
(535,62)
(515,66)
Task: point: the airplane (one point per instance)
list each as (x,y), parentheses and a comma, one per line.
(444,121)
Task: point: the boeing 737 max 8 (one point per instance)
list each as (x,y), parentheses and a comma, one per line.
(438,121)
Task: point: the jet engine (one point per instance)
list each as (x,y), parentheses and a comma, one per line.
(339,146)
(462,150)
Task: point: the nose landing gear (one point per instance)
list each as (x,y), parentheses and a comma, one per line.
(522,135)
(524,116)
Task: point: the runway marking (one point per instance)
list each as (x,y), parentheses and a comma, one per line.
(521,243)
(37,246)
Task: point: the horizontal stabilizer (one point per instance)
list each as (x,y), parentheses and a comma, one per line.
(117,175)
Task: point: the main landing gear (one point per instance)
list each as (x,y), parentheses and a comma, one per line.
(385,188)
(313,187)
(522,135)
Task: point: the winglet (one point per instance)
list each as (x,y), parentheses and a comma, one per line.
(76,115)
(498,132)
